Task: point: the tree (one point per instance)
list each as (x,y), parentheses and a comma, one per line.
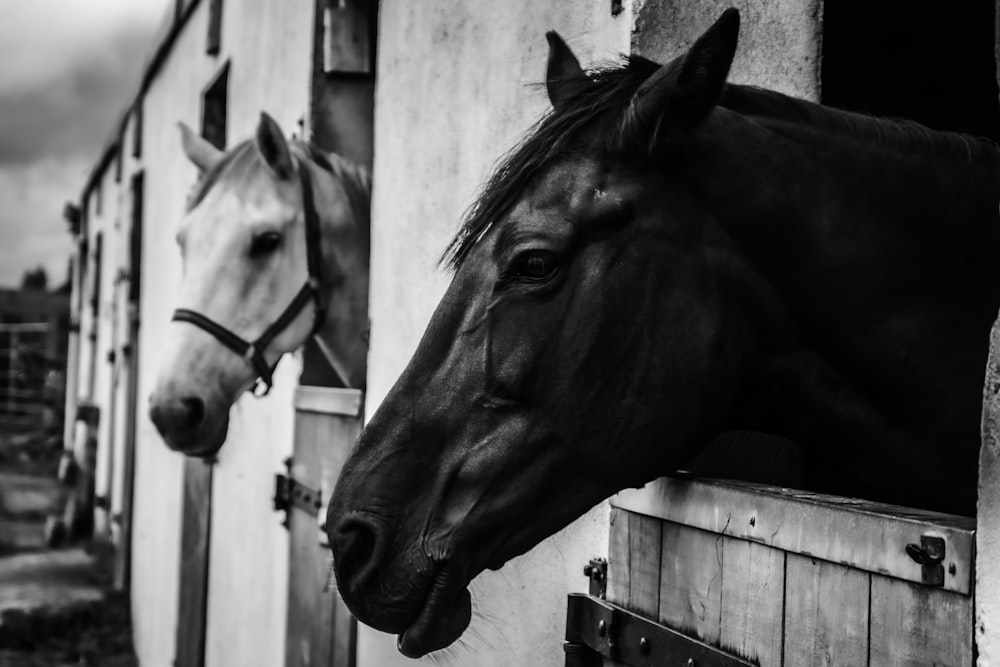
(35,279)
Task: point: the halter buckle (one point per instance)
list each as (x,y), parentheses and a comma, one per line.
(256,391)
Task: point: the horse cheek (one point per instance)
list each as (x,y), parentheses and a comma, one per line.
(513,340)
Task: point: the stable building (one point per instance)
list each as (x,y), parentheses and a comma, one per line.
(214,576)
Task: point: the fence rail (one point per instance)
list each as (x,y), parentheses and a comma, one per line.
(24,368)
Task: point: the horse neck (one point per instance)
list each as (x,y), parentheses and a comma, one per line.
(343,336)
(871,296)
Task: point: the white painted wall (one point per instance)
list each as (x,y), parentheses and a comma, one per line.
(988,512)
(268,43)
(106,222)
(455,90)
(119,437)
(87,352)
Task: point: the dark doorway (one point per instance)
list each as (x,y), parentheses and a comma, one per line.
(929,62)
(214,109)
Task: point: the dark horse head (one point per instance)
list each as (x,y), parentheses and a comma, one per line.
(664,259)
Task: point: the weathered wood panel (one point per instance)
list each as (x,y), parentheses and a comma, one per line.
(753,592)
(619,574)
(826,613)
(196,526)
(784,606)
(919,625)
(691,581)
(635,543)
(868,536)
(320,629)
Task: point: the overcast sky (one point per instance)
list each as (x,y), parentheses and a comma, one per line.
(67,70)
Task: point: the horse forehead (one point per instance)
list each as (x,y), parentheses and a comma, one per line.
(230,210)
(569,185)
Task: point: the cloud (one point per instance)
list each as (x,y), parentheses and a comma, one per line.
(69,69)
(32,231)
(73,109)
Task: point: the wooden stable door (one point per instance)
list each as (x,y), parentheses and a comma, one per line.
(321,632)
(713,572)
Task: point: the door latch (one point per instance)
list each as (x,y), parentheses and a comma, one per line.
(290,493)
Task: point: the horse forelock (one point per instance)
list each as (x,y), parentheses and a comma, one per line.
(235,166)
(602,95)
(240,164)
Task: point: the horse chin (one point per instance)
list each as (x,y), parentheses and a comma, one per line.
(442,619)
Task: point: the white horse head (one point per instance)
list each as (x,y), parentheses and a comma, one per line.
(275,245)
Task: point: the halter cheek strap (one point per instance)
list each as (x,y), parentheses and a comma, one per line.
(253,352)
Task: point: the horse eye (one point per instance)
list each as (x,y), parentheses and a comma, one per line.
(535,265)
(265,244)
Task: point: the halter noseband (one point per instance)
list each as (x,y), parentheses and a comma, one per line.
(253,353)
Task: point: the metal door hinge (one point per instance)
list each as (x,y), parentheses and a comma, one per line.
(617,634)
(597,571)
(930,555)
(289,493)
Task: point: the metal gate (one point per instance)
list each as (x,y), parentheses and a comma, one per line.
(24,375)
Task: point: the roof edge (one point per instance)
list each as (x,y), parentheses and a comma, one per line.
(152,68)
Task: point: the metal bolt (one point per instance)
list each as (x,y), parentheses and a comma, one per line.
(643,646)
(602,629)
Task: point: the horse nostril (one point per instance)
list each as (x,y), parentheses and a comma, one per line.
(177,415)
(195,409)
(355,542)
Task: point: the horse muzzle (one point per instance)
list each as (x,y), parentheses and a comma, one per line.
(188,426)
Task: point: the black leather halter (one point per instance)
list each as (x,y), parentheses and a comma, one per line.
(253,353)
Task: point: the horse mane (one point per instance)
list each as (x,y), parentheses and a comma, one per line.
(243,160)
(607,92)
(903,136)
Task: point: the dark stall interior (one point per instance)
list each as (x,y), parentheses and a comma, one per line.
(934,63)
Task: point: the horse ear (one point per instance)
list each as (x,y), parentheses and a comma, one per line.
(203,154)
(563,66)
(683,92)
(273,147)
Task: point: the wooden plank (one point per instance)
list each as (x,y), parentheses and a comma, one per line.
(644,545)
(310,608)
(618,570)
(826,613)
(341,433)
(320,630)
(859,534)
(196,520)
(753,593)
(916,625)
(329,400)
(634,562)
(691,581)
(123,555)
